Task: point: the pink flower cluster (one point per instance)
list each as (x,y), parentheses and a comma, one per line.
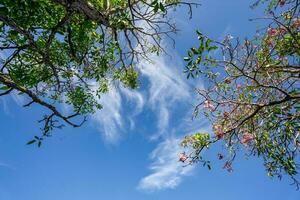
(226,115)
(273,32)
(247,138)
(209,105)
(218,131)
(183,157)
(296,22)
(227,81)
(281,2)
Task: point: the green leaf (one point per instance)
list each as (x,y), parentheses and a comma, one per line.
(154,3)
(212,48)
(4,87)
(156,7)
(31,142)
(162,8)
(208,166)
(199,33)
(3,11)
(207,43)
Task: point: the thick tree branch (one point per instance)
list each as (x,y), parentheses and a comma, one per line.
(85,8)
(6,81)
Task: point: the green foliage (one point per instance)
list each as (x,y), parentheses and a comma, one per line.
(252,94)
(59,51)
(199,55)
(82,101)
(129,78)
(198,140)
(158,5)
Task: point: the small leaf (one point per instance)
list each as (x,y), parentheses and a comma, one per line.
(162,8)
(3,11)
(156,7)
(208,166)
(199,33)
(154,3)
(212,48)
(31,142)
(4,87)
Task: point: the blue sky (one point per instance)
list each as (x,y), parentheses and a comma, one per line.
(128,151)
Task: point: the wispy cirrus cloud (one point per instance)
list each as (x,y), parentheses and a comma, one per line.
(167,172)
(7,166)
(109,119)
(165,90)
(166,87)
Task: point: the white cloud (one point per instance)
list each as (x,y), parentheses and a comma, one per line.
(109,119)
(166,90)
(139,101)
(166,81)
(166,87)
(167,171)
(18,99)
(7,166)
(4,106)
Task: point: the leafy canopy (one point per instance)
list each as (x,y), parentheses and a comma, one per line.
(252,95)
(68,52)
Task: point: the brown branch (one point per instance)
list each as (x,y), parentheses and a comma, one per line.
(85,8)
(6,81)
(259,107)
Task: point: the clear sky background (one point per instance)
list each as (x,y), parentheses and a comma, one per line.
(129,150)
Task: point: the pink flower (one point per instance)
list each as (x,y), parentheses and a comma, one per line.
(218,131)
(281,2)
(247,138)
(226,115)
(282,30)
(209,106)
(296,22)
(238,87)
(227,81)
(183,157)
(220,135)
(272,32)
